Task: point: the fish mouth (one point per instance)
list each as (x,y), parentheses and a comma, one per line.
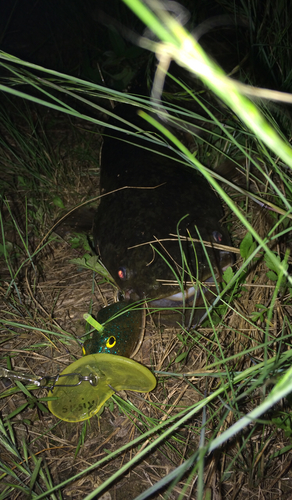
(185,298)
(190,294)
(180,298)
(177,299)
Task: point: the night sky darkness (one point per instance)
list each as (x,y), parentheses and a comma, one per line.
(70,36)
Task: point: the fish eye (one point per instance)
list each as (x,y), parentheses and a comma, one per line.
(122,273)
(217,236)
(111,341)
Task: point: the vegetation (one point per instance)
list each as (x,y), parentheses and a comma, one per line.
(220,417)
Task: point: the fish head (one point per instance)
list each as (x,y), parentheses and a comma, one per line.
(136,271)
(157,270)
(135,229)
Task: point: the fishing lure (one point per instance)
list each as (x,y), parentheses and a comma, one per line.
(118,329)
(102,375)
(121,332)
(81,390)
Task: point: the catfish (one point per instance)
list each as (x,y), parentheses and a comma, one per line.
(153,211)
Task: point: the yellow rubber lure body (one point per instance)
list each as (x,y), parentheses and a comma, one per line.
(106,374)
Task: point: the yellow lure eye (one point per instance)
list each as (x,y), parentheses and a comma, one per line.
(111,341)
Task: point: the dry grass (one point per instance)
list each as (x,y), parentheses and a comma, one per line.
(47,304)
(54,295)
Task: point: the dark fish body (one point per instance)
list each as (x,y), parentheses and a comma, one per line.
(128,219)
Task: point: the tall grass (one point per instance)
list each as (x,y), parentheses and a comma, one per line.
(245,371)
